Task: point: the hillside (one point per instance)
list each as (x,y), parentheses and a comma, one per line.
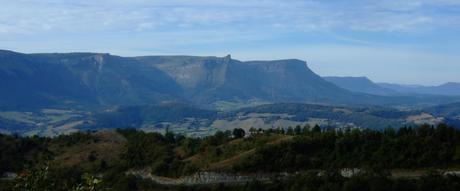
(79,80)
(451,112)
(126,159)
(448,110)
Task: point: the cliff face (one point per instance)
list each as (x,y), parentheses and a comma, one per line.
(195,75)
(293,80)
(209,79)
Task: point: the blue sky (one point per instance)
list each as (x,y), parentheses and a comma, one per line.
(404,41)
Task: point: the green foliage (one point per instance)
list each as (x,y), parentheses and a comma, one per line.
(154,150)
(425,146)
(74,138)
(17,153)
(35,179)
(145,148)
(238,133)
(44,179)
(90,183)
(313,155)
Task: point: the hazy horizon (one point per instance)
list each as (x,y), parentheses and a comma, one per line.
(404,42)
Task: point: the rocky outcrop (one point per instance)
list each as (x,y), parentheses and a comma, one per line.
(207,178)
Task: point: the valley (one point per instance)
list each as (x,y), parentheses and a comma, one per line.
(191,121)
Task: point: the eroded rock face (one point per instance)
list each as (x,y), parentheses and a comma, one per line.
(210,79)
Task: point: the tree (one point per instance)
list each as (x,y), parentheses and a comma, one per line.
(92,156)
(316,129)
(290,131)
(90,183)
(238,133)
(169,136)
(35,179)
(297,130)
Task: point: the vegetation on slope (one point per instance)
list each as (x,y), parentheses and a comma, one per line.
(313,156)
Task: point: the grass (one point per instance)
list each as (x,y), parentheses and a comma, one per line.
(235,150)
(108,147)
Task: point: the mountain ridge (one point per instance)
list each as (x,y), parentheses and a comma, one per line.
(94,80)
(365,85)
(448,88)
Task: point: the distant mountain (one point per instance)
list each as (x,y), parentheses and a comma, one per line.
(94,80)
(449,89)
(80,79)
(359,84)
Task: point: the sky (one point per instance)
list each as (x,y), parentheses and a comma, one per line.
(403,41)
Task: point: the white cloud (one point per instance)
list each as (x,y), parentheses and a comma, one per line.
(29,16)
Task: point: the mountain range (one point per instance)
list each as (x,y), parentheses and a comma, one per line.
(365,85)
(449,89)
(95,80)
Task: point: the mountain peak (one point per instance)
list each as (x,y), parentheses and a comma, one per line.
(9,52)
